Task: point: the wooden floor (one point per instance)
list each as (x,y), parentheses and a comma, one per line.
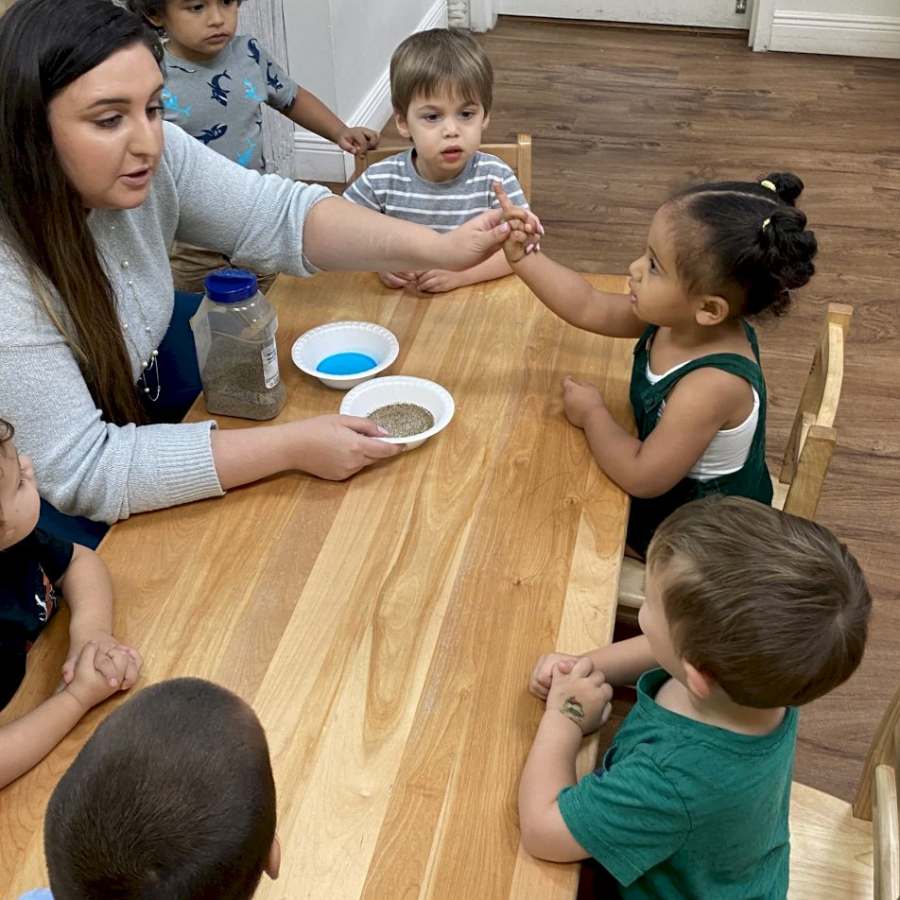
(620,118)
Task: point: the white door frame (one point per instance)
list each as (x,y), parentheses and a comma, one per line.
(482,14)
(483,17)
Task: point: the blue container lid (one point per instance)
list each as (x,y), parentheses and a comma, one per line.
(230,285)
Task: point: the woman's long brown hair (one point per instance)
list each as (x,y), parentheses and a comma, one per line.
(44,46)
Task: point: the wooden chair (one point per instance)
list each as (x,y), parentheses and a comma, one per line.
(517,156)
(812,439)
(839,850)
(809,447)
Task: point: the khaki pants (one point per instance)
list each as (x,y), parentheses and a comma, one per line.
(190,265)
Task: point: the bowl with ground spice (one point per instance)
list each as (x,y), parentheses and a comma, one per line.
(344,354)
(410,409)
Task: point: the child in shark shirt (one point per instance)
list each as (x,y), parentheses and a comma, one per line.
(216,83)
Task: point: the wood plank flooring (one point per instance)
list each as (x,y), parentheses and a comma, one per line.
(622,117)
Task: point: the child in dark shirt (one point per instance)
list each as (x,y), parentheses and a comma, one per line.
(37,568)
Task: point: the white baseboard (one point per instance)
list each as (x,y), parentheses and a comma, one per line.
(315,159)
(845,35)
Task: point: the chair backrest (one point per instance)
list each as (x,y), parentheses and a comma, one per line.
(812,439)
(517,156)
(878,787)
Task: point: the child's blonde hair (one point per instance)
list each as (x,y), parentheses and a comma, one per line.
(771,606)
(442,59)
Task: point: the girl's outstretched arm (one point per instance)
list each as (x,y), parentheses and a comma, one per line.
(563,290)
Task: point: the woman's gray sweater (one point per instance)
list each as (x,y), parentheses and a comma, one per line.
(83,464)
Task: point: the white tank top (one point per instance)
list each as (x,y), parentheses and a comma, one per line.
(729,449)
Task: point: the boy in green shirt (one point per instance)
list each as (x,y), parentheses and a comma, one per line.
(749,613)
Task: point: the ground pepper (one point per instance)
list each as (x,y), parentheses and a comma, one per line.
(402,419)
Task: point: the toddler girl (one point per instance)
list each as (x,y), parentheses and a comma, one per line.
(715,254)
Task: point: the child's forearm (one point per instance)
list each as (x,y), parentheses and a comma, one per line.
(495,267)
(24,742)
(618,453)
(624,661)
(88,590)
(559,288)
(309,112)
(550,767)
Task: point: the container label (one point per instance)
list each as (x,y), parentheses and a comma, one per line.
(270,363)
(202,337)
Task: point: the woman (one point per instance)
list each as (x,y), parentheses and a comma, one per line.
(94,188)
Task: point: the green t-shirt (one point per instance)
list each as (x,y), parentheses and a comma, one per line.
(680,810)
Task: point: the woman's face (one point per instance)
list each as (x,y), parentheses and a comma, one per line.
(107,129)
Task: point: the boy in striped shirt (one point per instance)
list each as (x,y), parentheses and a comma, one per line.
(441,91)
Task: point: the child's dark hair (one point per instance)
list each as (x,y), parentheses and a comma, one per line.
(172,797)
(442,59)
(771,606)
(751,245)
(152,9)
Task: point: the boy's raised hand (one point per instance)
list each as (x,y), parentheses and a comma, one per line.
(520,241)
(581,695)
(358,141)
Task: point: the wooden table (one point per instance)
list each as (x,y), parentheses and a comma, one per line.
(384,628)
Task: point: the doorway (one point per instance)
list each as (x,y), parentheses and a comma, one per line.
(694,13)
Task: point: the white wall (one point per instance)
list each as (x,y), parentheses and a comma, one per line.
(861,28)
(340,50)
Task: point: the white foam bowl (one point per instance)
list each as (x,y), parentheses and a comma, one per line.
(344,337)
(366,398)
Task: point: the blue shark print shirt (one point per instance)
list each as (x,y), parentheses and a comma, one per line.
(218,101)
(28,600)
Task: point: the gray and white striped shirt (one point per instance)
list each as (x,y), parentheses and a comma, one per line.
(395,188)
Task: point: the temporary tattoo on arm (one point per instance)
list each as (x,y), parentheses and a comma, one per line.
(573,709)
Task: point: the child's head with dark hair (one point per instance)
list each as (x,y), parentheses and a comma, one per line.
(198,30)
(770,607)
(743,241)
(20,503)
(171,798)
(440,61)
(148,10)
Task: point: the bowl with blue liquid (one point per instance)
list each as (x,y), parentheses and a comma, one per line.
(344,354)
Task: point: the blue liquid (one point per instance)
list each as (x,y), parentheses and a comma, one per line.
(346,364)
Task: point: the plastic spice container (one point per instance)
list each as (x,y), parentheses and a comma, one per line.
(234,333)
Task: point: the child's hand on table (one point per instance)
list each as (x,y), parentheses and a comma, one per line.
(358,141)
(89,686)
(397,280)
(579,399)
(541,677)
(581,695)
(523,224)
(106,660)
(438,281)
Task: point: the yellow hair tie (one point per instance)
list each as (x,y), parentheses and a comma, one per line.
(765,223)
(768,184)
